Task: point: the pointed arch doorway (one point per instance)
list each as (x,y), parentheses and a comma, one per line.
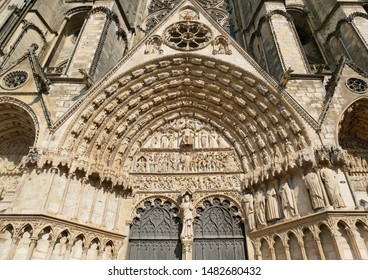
(154,234)
(218,232)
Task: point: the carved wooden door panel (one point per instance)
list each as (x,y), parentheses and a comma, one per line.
(218,232)
(154,235)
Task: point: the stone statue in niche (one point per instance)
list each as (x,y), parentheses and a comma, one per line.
(315,190)
(186,210)
(204,139)
(259,208)
(288,201)
(272,203)
(154,45)
(187,134)
(248,201)
(221,46)
(332,187)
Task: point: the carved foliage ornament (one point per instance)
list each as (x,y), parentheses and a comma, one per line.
(14,80)
(188,35)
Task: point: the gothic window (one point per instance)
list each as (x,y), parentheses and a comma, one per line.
(154,233)
(309,44)
(218,232)
(188,35)
(66,43)
(14,80)
(357,85)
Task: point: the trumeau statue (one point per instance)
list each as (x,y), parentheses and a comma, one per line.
(186,210)
(332,187)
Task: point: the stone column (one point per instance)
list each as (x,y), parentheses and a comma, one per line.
(31,248)
(302,249)
(117,217)
(187,249)
(335,235)
(65,192)
(319,247)
(95,192)
(50,250)
(84,253)
(54,171)
(80,195)
(13,248)
(272,250)
(287,252)
(353,235)
(106,207)
(351,189)
(67,251)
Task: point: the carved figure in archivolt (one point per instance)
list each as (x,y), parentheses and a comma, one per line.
(315,190)
(186,209)
(260,208)
(272,203)
(288,201)
(248,206)
(332,188)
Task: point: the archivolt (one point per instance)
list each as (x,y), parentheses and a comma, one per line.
(114,123)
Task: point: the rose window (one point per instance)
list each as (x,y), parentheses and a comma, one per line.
(357,85)
(15,79)
(188,35)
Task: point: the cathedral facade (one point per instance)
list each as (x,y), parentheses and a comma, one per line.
(183,129)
